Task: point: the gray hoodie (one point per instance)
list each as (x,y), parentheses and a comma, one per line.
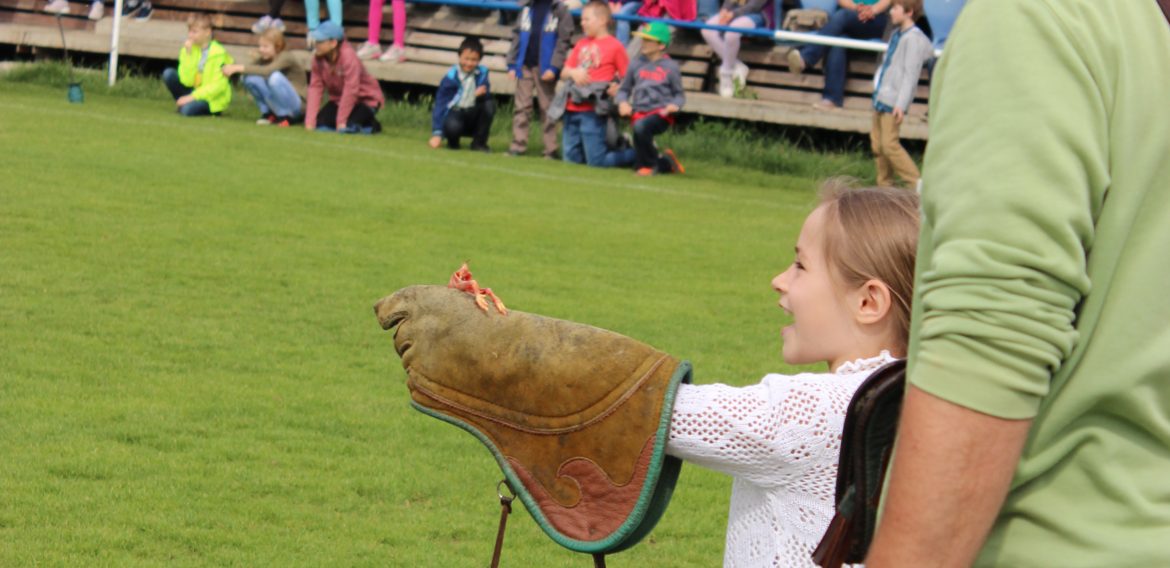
(651,85)
(897,77)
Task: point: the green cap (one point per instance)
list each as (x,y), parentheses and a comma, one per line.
(656,31)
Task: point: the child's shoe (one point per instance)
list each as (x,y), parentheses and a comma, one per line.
(130,7)
(675,165)
(262,24)
(643,172)
(369,51)
(96,11)
(741,72)
(726,84)
(826,104)
(144,12)
(795,61)
(284,123)
(395,54)
(59,7)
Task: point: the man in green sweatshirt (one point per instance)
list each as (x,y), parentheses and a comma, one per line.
(1036,426)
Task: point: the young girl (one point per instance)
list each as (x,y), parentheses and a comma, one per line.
(848,292)
(276,80)
(737,14)
(338,75)
(596,64)
(373,47)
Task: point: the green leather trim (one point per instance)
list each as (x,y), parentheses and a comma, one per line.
(661,477)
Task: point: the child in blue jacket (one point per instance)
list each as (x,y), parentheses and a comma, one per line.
(463,102)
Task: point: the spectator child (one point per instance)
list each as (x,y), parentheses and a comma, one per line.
(540,42)
(736,14)
(651,94)
(894,86)
(848,292)
(354,95)
(373,47)
(595,65)
(198,85)
(276,80)
(463,103)
(857,19)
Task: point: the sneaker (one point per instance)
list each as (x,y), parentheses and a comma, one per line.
(262,121)
(96,11)
(130,7)
(369,50)
(675,165)
(644,172)
(59,7)
(741,72)
(144,12)
(395,54)
(262,24)
(795,61)
(726,85)
(826,104)
(284,123)
(276,24)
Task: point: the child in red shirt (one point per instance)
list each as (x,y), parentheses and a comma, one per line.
(597,63)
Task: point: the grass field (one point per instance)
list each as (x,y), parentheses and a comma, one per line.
(190,369)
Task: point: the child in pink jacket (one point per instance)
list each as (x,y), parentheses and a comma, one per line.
(354,95)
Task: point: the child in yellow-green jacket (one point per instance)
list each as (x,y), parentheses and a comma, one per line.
(199,86)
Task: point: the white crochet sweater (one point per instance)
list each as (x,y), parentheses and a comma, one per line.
(780,440)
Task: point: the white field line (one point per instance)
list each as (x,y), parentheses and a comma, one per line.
(200,125)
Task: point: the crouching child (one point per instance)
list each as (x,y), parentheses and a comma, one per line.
(463,102)
(337,73)
(276,80)
(651,94)
(198,85)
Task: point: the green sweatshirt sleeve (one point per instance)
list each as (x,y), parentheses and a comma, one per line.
(1015,175)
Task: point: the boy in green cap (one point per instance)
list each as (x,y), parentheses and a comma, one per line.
(652,94)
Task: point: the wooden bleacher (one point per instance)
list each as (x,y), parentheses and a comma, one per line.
(433,35)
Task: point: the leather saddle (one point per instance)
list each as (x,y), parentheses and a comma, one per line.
(867,441)
(575,416)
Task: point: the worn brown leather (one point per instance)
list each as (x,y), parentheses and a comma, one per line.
(574,413)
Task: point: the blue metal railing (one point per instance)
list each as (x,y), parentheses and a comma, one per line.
(778,35)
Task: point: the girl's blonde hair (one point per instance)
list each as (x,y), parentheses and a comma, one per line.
(275,37)
(871,233)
